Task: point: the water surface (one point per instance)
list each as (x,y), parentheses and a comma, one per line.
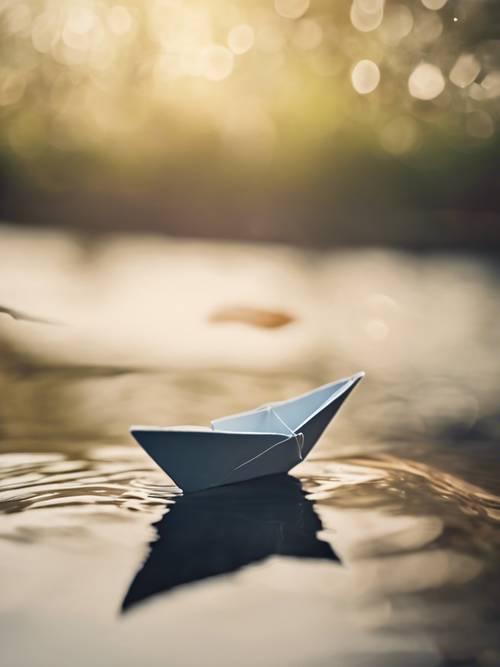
(382,549)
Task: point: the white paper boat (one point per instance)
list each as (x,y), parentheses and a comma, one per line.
(265,441)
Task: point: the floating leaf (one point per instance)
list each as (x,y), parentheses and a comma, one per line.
(257,317)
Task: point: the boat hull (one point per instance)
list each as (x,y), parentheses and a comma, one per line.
(201,460)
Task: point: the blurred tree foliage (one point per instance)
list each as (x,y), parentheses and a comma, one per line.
(300,119)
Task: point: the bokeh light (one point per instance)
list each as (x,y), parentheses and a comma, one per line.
(365,77)
(434,4)
(397,24)
(428,27)
(219,63)
(367,16)
(399,135)
(491,85)
(119,20)
(120,82)
(241,38)
(426,82)
(479,124)
(291,9)
(465,70)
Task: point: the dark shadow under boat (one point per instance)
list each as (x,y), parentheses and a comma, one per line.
(221,530)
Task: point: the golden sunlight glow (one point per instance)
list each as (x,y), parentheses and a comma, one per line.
(74,75)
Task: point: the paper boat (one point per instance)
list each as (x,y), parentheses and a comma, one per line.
(266,441)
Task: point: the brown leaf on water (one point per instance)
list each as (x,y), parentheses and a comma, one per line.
(257,317)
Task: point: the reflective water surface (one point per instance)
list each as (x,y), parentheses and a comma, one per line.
(383,548)
(218,531)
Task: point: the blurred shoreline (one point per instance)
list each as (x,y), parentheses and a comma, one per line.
(93,219)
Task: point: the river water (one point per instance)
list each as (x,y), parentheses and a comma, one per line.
(382,548)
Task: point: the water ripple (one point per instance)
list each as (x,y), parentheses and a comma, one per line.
(110,477)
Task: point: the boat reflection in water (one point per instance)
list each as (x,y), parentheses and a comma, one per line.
(220,530)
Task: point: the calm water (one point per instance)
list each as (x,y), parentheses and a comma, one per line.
(382,549)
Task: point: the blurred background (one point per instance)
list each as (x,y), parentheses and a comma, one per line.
(301,121)
(248,187)
(209,205)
